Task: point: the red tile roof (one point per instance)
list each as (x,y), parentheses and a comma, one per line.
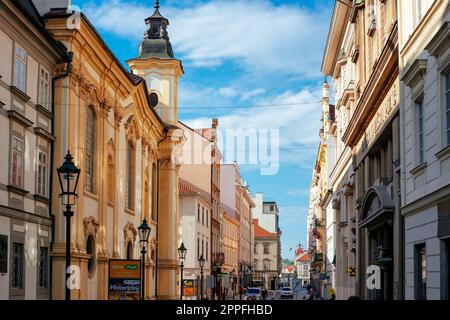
(260,232)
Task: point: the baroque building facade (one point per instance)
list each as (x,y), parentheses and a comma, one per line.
(29,62)
(122,135)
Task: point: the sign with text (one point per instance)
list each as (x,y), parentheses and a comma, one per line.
(124,280)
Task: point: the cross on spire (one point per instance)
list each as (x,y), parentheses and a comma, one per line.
(156,4)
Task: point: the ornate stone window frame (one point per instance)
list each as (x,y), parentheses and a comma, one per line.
(129,236)
(91,226)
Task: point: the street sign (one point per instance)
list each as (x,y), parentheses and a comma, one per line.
(124,281)
(331,292)
(351,271)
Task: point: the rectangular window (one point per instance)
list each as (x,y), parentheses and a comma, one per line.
(266,248)
(130,176)
(44,89)
(3,254)
(198,213)
(255,248)
(420,136)
(17,162)
(207,249)
(42,174)
(20,62)
(203,215)
(420,273)
(43,267)
(198,248)
(266,265)
(17,266)
(447,108)
(203,248)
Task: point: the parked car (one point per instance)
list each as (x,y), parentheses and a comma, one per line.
(287,293)
(254,294)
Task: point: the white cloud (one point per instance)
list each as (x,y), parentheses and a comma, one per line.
(228,92)
(253,93)
(260,36)
(296,115)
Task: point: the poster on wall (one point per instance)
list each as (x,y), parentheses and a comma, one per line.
(188,288)
(124,281)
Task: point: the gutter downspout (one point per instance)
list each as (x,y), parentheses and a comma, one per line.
(166,130)
(52,145)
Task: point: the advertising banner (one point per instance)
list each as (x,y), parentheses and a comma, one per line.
(124,280)
(188,288)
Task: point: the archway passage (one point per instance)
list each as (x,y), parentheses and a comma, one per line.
(377,238)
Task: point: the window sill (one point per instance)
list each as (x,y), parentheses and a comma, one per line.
(91,195)
(20,118)
(17,190)
(19,93)
(44,111)
(444,153)
(418,169)
(44,134)
(40,198)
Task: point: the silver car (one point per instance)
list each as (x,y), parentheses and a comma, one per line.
(287,293)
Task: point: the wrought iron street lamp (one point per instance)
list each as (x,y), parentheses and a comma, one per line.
(201,261)
(68,175)
(182,255)
(144,233)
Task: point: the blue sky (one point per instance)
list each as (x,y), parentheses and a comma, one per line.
(237,54)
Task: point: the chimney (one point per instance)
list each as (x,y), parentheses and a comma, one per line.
(44,7)
(215,123)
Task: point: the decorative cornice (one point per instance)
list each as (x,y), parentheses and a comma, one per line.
(415,73)
(440,41)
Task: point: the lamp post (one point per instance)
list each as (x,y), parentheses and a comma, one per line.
(182,255)
(201,261)
(144,233)
(68,175)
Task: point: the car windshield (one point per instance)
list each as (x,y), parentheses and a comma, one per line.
(253,291)
(286,289)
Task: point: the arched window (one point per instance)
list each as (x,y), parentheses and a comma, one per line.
(130,176)
(90,150)
(129,251)
(90,250)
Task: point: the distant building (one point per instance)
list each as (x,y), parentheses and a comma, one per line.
(302,265)
(267,259)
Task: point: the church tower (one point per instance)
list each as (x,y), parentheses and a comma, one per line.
(157,65)
(161,71)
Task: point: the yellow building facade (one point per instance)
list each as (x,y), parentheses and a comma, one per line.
(123,136)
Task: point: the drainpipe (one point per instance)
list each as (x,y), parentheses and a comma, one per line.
(166,130)
(52,144)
